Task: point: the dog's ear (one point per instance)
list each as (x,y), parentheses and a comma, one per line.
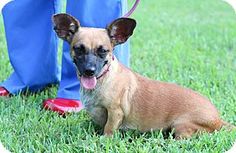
(120,30)
(65,26)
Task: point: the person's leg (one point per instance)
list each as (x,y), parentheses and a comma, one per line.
(31,43)
(90,13)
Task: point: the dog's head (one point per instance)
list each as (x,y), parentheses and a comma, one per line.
(91,48)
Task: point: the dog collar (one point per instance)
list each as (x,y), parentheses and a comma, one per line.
(106,70)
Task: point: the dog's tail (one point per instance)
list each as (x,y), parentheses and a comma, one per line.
(228,126)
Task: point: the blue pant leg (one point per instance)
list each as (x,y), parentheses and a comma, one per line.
(122,52)
(31,43)
(90,13)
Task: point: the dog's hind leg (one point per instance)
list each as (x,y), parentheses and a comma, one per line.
(184,130)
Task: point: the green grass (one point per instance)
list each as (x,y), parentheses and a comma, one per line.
(189,42)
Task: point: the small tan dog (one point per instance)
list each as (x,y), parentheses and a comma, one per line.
(117,98)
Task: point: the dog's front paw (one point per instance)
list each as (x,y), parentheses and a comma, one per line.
(108,132)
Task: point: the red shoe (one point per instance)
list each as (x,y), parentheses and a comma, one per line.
(62,105)
(4,92)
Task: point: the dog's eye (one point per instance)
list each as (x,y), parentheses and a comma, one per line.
(102,52)
(79,50)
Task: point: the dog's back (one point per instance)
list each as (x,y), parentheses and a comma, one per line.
(157,105)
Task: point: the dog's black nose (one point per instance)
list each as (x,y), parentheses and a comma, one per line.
(90,71)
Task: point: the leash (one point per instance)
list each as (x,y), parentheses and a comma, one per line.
(132,9)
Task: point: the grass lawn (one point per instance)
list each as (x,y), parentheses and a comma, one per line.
(189,42)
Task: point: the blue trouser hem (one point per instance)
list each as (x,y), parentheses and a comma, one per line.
(32,45)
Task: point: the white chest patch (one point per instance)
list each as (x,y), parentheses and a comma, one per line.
(90,98)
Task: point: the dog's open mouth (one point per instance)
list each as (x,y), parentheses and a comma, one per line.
(88,82)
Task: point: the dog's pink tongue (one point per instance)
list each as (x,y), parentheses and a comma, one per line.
(88,82)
